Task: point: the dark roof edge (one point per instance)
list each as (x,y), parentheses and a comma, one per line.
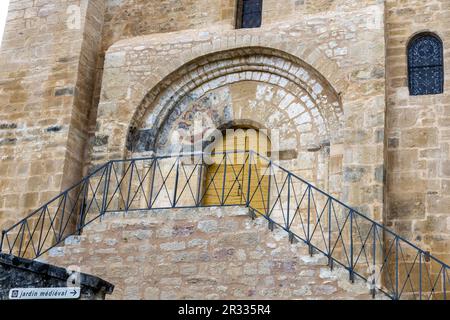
(55,272)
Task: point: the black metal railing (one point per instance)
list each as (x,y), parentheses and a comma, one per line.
(364,247)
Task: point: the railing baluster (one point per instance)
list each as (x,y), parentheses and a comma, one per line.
(352,278)
(396,268)
(224,181)
(150,199)
(268,189)
(83,207)
(289,201)
(444,286)
(177,176)
(41,231)
(22,228)
(1,241)
(127,204)
(374,253)
(200,181)
(330,258)
(420,275)
(106,189)
(249,178)
(308,240)
(62,218)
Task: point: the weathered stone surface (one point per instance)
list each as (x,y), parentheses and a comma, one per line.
(100,89)
(354,174)
(407,206)
(226,266)
(208,226)
(48,74)
(173,246)
(419,138)
(133,72)
(416,131)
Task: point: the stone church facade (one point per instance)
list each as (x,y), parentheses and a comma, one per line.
(345,83)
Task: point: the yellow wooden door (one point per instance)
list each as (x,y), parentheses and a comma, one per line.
(227,180)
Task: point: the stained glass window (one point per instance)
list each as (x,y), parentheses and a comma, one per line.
(249,14)
(425,65)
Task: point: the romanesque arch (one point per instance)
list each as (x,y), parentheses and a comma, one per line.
(282,92)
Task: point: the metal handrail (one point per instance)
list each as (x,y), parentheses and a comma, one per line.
(364,247)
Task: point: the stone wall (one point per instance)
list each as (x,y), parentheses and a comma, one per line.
(47,68)
(418,135)
(49,71)
(204,253)
(21,273)
(53,149)
(126,19)
(345,49)
(52,81)
(299,110)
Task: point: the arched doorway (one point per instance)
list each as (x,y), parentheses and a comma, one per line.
(270,88)
(240,170)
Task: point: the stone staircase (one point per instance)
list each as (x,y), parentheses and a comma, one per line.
(202,253)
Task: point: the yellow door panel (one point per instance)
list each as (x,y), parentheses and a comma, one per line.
(227,182)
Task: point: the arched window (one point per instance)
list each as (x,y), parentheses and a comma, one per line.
(249,14)
(425,65)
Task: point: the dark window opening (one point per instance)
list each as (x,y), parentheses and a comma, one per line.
(249,14)
(425,65)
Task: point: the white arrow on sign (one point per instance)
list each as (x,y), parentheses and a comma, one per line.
(44,293)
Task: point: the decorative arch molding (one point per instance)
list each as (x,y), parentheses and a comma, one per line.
(305,112)
(207,73)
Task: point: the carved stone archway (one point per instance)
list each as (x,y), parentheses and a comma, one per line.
(300,96)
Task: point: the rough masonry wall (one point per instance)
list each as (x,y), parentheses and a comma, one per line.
(295,127)
(260,88)
(126,19)
(346,47)
(203,253)
(46,75)
(418,134)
